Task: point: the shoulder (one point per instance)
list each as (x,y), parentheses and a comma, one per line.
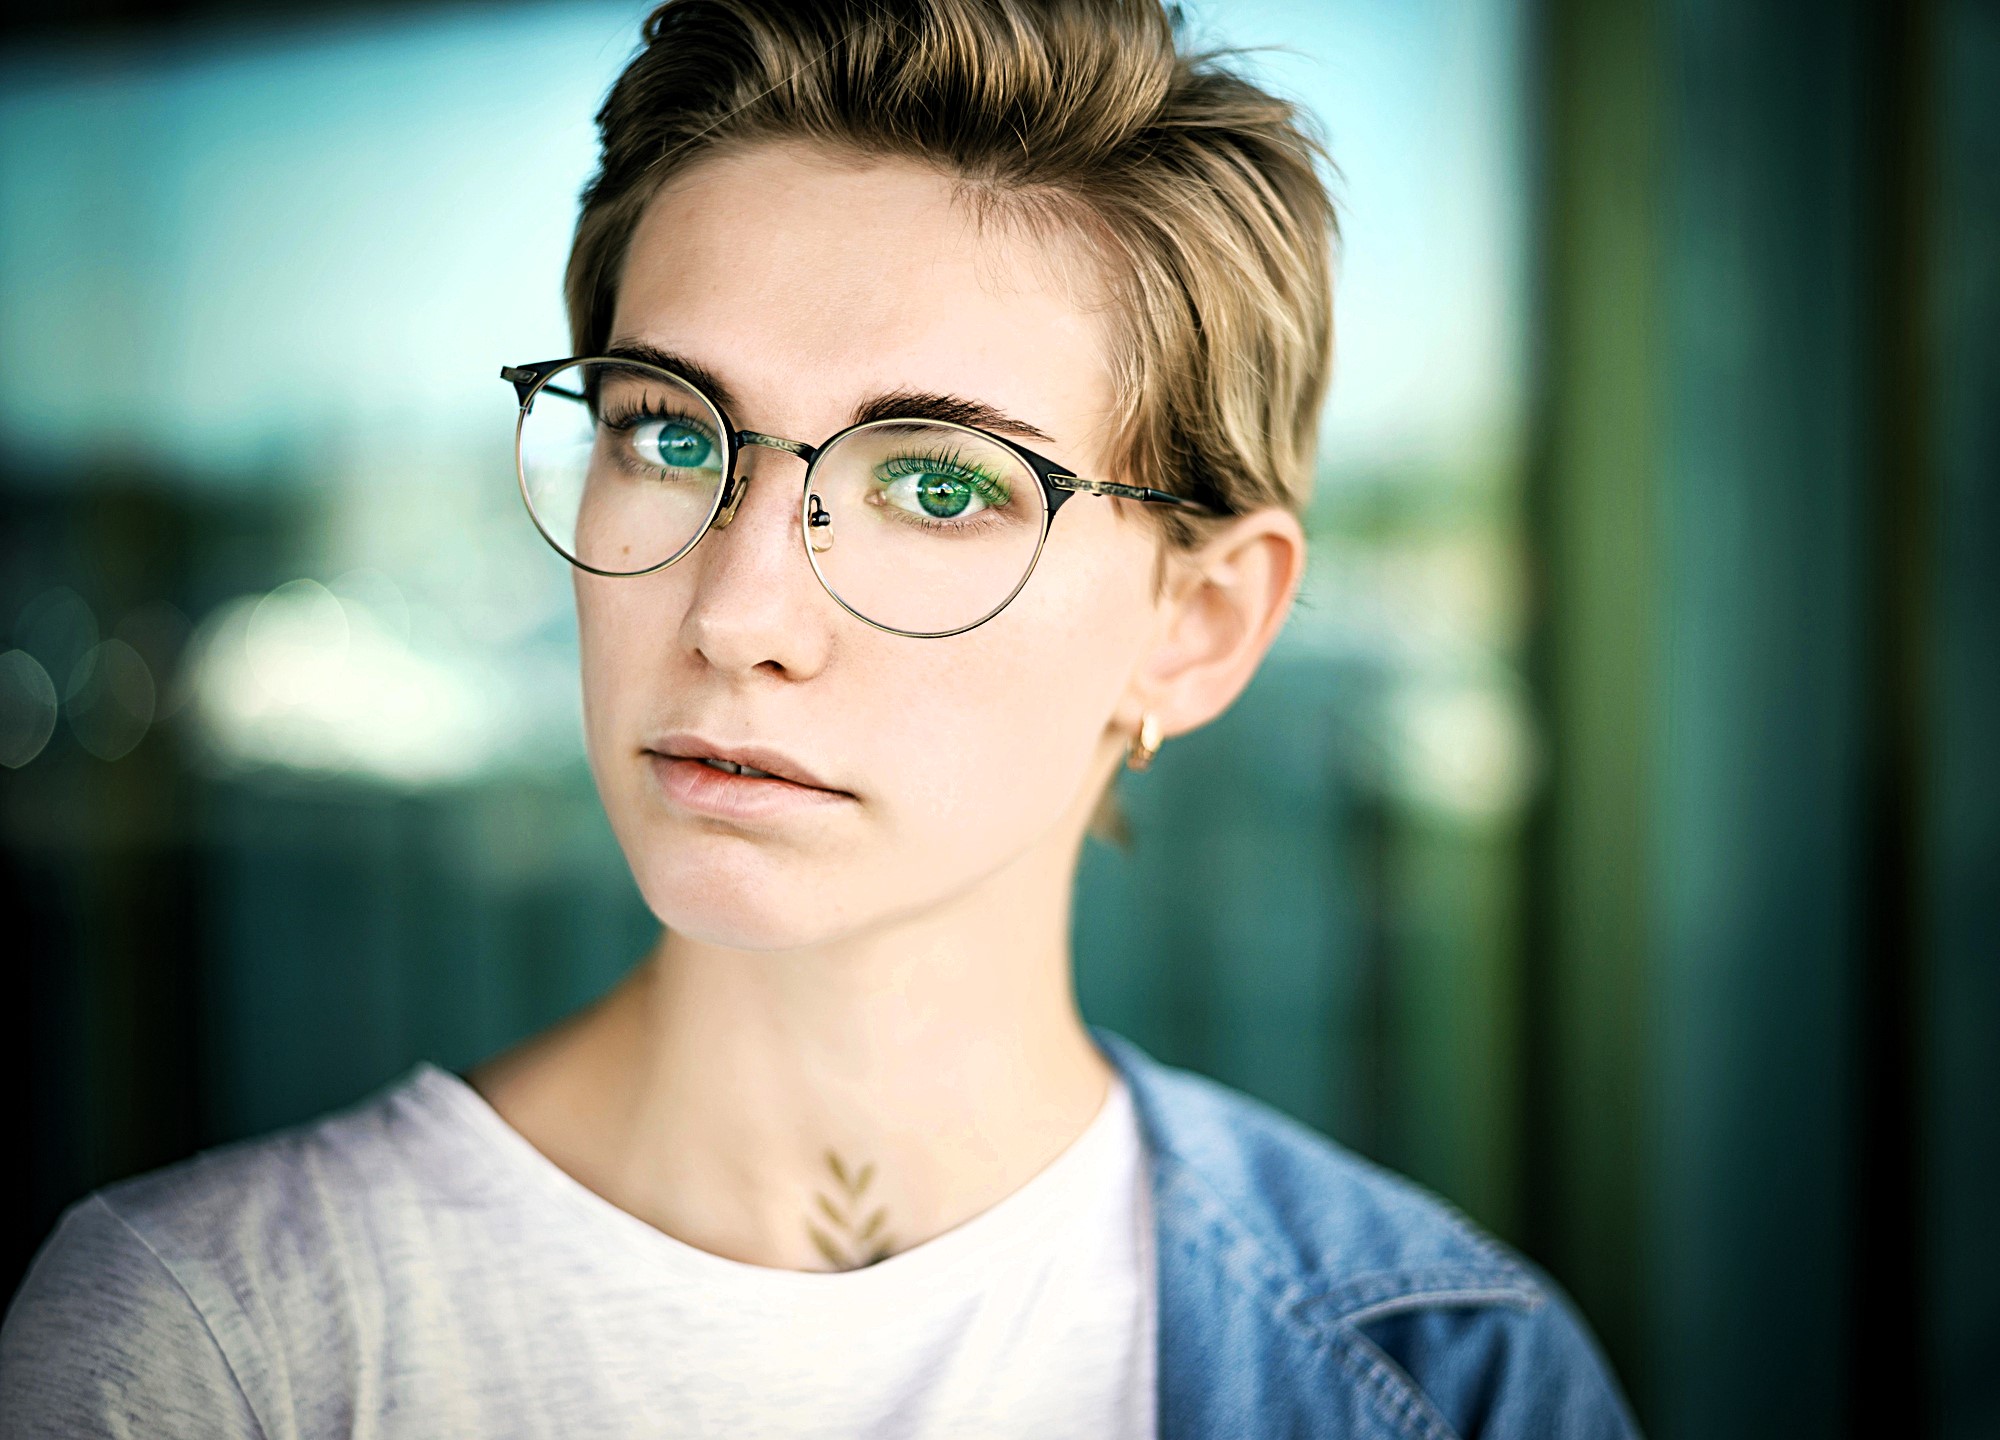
(102,1339)
(1322,1213)
(276,1215)
(205,1279)
(1455,1330)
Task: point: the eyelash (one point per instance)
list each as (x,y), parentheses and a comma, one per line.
(983,485)
(631,418)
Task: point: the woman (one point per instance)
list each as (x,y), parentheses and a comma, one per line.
(950,380)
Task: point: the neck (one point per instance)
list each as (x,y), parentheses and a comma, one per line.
(768,1106)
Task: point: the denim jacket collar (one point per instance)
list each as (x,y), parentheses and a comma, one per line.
(1273,1247)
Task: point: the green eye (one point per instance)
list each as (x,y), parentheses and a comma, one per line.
(941,488)
(943,495)
(675,444)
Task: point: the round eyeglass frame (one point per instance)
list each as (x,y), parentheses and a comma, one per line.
(1056,483)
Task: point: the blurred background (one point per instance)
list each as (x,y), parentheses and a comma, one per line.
(1610,843)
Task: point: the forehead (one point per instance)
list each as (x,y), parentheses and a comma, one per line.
(805,279)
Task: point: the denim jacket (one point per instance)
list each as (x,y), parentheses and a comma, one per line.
(1305,1292)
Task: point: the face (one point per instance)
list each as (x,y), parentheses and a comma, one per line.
(807,284)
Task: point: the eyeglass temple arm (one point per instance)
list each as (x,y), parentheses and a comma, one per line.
(1131,492)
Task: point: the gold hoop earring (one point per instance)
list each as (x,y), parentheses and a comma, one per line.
(1140,753)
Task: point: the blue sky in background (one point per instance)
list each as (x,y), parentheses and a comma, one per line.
(250,252)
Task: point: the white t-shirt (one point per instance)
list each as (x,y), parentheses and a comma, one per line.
(414,1267)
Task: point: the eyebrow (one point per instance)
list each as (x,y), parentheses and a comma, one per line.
(953,409)
(889,405)
(640,353)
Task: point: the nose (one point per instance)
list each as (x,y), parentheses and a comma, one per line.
(756,604)
(745,439)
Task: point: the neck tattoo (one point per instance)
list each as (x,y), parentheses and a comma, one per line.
(851,1235)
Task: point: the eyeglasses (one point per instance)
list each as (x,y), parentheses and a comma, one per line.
(918,526)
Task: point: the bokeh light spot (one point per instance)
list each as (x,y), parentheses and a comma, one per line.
(111,706)
(27,708)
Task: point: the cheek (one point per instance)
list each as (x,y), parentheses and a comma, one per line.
(617,620)
(596,650)
(1000,732)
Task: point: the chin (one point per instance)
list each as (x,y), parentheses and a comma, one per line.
(740,901)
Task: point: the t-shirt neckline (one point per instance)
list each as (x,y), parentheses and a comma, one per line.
(1026,1216)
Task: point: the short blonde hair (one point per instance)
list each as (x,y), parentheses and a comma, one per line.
(1201,192)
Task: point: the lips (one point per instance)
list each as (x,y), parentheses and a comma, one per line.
(762,760)
(737,783)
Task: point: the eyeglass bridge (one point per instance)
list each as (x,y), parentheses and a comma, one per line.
(799,448)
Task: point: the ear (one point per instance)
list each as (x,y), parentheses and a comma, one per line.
(1224,604)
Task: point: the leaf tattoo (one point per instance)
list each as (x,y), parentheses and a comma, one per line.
(852,1241)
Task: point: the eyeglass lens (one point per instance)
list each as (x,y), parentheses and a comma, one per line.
(926,528)
(922,528)
(621,465)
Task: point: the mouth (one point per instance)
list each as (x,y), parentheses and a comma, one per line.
(732,769)
(736,782)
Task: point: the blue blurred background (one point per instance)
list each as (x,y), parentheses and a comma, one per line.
(1611,841)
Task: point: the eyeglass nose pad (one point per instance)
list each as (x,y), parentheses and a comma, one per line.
(819,525)
(731,498)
